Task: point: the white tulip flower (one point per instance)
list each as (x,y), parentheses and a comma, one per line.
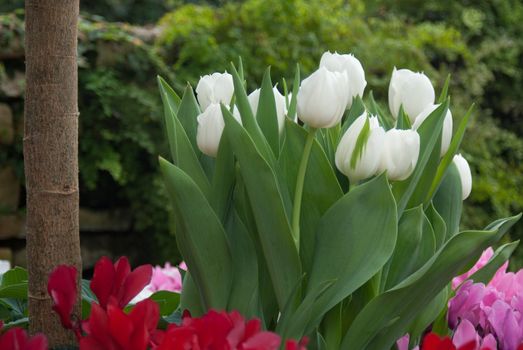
(365,164)
(400,153)
(412,90)
(446,136)
(215,88)
(464,174)
(322,98)
(350,64)
(279,99)
(210,129)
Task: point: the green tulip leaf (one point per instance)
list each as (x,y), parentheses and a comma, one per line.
(187,114)
(244,292)
(449,156)
(266,114)
(200,236)
(418,183)
(438,225)
(291,113)
(248,120)
(448,201)
(355,238)
(321,189)
(268,207)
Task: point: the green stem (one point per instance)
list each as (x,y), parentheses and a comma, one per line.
(298,193)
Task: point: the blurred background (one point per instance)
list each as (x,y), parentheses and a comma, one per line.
(124,44)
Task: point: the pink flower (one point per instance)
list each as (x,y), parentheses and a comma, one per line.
(495,309)
(166,278)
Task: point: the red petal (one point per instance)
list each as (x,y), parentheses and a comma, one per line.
(147,313)
(89,343)
(98,327)
(135,283)
(15,338)
(471,345)
(63,289)
(434,342)
(120,325)
(262,341)
(123,269)
(103,280)
(38,342)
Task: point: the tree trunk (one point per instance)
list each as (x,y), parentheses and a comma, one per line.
(51,154)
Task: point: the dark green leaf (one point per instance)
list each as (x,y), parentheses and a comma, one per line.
(448,202)
(355,238)
(201,237)
(167,301)
(266,114)
(321,188)
(267,204)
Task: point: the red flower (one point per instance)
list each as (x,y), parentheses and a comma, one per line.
(116,283)
(63,289)
(115,330)
(294,345)
(434,342)
(218,331)
(17,339)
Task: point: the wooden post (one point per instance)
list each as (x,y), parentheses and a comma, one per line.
(51,154)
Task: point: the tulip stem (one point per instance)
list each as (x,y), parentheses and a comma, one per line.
(298,193)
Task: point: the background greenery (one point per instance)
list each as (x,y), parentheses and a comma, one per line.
(480,43)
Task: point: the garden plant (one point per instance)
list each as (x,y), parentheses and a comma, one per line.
(307,217)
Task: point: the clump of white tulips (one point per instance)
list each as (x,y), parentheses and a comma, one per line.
(317,212)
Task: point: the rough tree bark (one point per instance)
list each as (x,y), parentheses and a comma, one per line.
(51,154)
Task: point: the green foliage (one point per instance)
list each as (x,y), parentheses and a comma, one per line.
(479,43)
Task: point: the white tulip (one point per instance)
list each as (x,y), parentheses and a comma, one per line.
(412,90)
(464,174)
(210,129)
(279,99)
(215,88)
(350,64)
(322,98)
(367,162)
(400,153)
(446,136)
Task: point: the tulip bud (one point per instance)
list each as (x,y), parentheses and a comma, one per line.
(358,154)
(413,91)
(210,129)
(322,98)
(215,88)
(446,136)
(350,64)
(279,99)
(400,153)
(464,174)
